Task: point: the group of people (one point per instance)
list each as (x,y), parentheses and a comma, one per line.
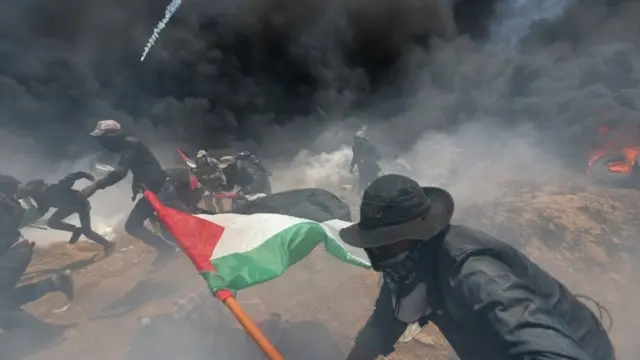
(243,174)
(489,300)
(173,186)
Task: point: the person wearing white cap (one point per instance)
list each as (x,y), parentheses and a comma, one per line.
(210,176)
(135,157)
(242,171)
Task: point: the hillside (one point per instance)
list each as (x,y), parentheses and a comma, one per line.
(585,236)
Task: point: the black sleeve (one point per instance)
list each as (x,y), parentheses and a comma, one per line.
(528,328)
(121,171)
(382,331)
(69,180)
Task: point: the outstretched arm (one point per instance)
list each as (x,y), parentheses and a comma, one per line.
(119,173)
(69,180)
(381,332)
(527,326)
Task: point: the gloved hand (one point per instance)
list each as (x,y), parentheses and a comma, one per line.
(89,177)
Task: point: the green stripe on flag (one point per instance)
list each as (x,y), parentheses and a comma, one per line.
(272,258)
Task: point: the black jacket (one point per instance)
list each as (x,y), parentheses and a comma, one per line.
(249,177)
(61,195)
(491,302)
(366,157)
(137,158)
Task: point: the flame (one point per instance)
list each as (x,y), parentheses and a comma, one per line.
(622,142)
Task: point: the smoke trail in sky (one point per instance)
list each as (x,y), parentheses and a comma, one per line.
(515,17)
(171,9)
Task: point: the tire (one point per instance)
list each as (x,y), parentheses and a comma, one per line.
(599,172)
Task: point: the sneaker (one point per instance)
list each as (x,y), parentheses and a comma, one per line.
(75,237)
(410,333)
(63,282)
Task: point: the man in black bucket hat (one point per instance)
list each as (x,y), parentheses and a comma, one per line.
(487,298)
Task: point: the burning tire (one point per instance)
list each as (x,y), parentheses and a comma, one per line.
(600,171)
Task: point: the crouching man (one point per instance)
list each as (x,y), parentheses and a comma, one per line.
(489,300)
(67,201)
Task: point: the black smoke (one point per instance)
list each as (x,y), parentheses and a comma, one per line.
(222,72)
(218,69)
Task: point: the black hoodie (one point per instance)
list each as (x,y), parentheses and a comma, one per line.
(135,157)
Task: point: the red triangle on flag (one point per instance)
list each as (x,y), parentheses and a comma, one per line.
(197,237)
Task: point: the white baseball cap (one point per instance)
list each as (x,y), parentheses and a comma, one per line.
(106,127)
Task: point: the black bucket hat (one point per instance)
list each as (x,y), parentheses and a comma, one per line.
(396,208)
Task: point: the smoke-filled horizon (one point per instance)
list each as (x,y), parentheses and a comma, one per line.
(229,72)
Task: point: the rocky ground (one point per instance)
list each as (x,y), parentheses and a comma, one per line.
(586,236)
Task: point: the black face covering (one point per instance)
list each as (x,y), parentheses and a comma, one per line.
(384,260)
(113,143)
(408,290)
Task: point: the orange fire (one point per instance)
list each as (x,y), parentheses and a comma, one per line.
(622,142)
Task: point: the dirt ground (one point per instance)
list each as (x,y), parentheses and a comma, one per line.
(585,236)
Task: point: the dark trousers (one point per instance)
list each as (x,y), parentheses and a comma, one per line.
(84,213)
(367,173)
(13,264)
(142,211)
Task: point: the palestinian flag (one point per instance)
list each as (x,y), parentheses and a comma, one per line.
(236,251)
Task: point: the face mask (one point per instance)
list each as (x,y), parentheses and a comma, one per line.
(113,143)
(394,260)
(383,259)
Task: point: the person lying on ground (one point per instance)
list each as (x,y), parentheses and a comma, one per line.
(67,201)
(489,300)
